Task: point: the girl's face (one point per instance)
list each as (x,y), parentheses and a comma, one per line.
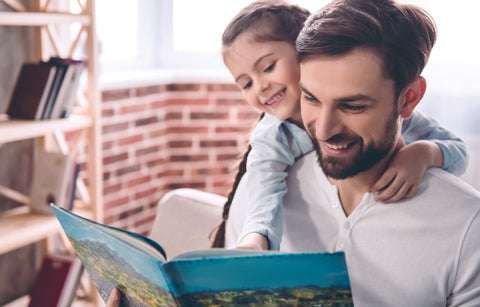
(268,73)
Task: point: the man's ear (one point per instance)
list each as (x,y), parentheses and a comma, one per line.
(411,96)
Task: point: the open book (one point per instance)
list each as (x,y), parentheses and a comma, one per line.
(215,277)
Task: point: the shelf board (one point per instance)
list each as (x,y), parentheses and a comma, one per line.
(20,227)
(16,129)
(40,19)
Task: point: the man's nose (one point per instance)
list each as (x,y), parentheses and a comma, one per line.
(328,124)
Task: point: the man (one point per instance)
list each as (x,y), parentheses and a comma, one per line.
(361,62)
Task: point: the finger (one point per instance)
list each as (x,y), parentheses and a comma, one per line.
(389,191)
(384,181)
(113,299)
(412,191)
(400,193)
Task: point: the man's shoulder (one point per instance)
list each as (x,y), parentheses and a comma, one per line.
(438,179)
(442,189)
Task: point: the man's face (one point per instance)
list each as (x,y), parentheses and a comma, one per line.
(349,110)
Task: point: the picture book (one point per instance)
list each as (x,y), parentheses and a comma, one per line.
(139,268)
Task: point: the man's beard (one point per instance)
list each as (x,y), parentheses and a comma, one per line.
(364,159)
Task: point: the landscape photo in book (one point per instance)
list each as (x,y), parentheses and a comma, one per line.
(276,279)
(116,264)
(215,277)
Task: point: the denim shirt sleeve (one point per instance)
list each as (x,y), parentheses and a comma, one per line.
(275,147)
(420,127)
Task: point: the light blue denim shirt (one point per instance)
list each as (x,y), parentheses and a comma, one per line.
(277,144)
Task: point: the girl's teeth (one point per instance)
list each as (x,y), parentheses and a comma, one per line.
(274,98)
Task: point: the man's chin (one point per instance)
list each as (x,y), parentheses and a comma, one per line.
(337,169)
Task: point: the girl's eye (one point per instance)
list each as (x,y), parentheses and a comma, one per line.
(270,67)
(247,85)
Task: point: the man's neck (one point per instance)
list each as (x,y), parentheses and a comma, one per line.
(352,190)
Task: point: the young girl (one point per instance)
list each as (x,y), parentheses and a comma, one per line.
(258,47)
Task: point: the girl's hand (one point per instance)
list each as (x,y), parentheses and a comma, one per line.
(405,171)
(253,241)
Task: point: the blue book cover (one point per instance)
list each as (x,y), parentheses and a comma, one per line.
(138,267)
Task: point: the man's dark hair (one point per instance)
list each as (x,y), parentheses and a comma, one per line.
(403,35)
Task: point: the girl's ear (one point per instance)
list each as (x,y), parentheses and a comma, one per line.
(411,96)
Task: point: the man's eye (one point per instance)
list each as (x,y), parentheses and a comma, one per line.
(270,67)
(354,108)
(309,98)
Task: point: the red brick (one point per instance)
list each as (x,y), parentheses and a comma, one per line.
(136,108)
(147,150)
(111,95)
(116,202)
(188,158)
(106,129)
(115,158)
(112,189)
(209,115)
(180,144)
(178,87)
(146,121)
(186,129)
(223,87)
(150,90)
(145,193)
(218,143)
(127,170)
(138,181)
(130,140)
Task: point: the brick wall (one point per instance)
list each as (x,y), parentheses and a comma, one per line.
(163,137)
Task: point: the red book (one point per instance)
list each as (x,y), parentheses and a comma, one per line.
(56,282)
(31,91)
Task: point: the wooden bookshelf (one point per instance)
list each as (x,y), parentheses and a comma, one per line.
(20,227)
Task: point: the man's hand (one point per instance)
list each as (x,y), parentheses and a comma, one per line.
(114,299)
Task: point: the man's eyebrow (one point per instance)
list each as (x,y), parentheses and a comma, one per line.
(356,98)
(255,64)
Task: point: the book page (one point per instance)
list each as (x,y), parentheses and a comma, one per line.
(268,279)
(220,252)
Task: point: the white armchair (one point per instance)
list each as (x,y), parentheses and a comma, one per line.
(184,219)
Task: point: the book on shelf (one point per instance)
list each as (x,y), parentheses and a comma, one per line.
(56,282)
(65,100)
(53,172)
(31,91)
(139,268)
(61,69)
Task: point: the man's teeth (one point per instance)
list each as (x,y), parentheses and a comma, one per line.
(337,146)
